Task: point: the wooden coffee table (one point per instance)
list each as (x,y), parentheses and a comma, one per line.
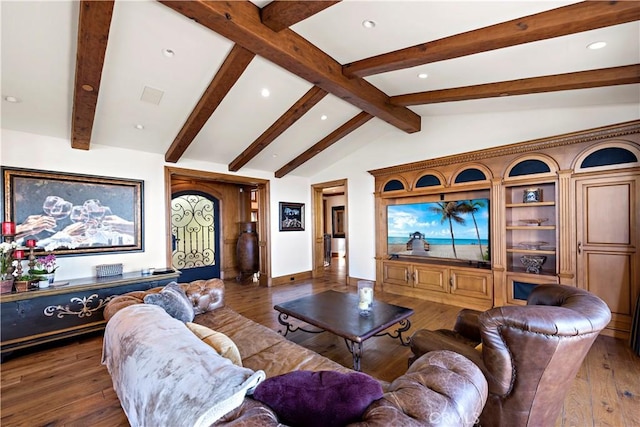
(337,312)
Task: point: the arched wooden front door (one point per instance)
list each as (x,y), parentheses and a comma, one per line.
(195,227)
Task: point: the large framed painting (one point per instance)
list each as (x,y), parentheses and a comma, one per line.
(72,213)
(291,216)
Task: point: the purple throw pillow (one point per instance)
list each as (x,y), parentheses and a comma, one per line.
(319,399)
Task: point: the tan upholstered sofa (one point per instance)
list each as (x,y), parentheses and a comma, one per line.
(440,388)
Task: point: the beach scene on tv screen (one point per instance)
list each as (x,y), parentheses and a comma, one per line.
(448,229)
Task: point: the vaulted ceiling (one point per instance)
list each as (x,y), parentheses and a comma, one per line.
(184,78)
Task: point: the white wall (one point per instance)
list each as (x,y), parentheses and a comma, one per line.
(290,251)
(442,136)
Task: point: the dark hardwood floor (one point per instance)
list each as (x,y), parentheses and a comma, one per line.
(66,385)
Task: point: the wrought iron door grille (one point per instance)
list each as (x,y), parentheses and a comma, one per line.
(193,230)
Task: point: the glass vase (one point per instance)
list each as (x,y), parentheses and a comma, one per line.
(365,297)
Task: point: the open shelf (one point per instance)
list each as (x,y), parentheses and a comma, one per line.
(530,227)
(531,251)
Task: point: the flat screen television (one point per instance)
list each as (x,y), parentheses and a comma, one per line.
(453,230)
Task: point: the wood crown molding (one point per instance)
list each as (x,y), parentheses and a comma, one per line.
(595,134)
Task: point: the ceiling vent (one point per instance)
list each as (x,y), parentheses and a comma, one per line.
(151,95)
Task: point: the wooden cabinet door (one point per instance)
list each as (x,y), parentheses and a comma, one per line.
(471,283)
(608,261)
(432,278)
(396,274)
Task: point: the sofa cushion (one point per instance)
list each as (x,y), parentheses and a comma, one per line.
(221,343)
(319,399)
(174,301)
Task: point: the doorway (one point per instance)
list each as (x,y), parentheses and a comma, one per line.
(195,235)
(240,200)
(330,230)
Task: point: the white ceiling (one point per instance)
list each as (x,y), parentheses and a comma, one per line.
(38,67)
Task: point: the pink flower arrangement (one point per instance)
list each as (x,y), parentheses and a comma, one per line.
(46,264)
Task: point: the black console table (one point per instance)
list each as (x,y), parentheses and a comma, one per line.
(49,314)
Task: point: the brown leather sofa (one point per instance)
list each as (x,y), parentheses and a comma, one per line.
(529,354)
(440,388)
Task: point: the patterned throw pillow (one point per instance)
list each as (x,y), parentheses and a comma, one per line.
(319,399)
(174,301)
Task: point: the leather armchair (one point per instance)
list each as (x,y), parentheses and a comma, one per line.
(529,355)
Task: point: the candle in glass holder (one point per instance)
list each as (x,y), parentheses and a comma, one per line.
(365,297)
(18,254)
(8,228)
(31,243)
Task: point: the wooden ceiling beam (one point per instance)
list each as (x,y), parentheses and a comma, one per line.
(299,109)
(93,33)
(325,143)
(230,71)
(575,18)
(239,21)
(579,80)
(281,14)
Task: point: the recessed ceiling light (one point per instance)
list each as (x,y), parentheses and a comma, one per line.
(12,99)
(139,126)
(423,75)
(323,117)
(274,155)
(369,23)
(596,45)
(265,93)
(169,53)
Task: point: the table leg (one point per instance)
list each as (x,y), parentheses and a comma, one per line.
(282,319)
(404,326)
(355,348)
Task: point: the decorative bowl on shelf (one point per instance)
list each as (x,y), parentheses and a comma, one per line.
(535,245)
(533,263)
(534,221)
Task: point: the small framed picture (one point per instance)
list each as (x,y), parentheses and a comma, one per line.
(532,195)
(291,216)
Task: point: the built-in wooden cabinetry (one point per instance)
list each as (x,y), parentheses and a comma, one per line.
(572,199)
(471,287)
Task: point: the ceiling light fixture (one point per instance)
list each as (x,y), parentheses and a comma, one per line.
(169,53)
(423,75)
(596,45)
(369,23)
(265,93)
(11,99)
(323,117)
(139,126)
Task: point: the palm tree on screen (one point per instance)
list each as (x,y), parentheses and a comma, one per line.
(473,206)
(451,212)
